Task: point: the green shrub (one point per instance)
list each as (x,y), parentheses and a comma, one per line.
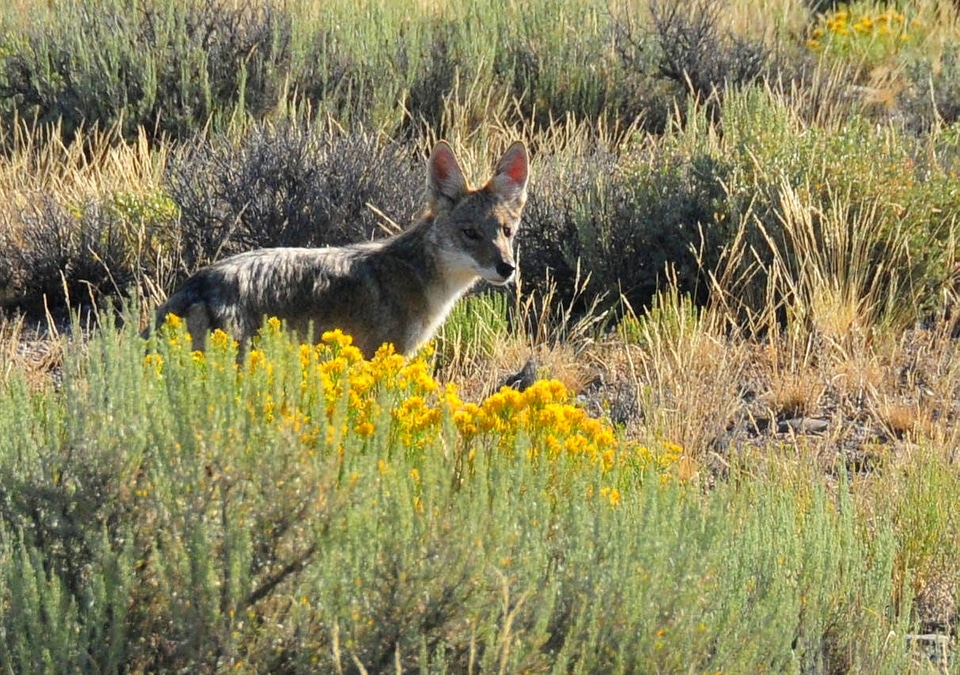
(302,510)
(163,65)
(628,220)
(565,192)
(868,196)
(933,98)
(172,66)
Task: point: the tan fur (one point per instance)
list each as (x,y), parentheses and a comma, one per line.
(396,290)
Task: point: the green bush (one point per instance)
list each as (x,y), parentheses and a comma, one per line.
(176,512)
(628,220)
(872,196)
(163,65)
(172,66)
(932,98)
(475,329)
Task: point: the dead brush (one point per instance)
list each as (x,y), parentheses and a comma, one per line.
(560,334)
(88,215)
(31,352)
(899,419)
(791,384)
(794,394)
(920,397)
(687,370)
(827,287)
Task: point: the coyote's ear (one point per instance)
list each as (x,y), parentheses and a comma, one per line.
(513,169)
(444,176)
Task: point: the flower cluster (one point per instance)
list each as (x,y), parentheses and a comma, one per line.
(543,413)
(866,33)
(319,394)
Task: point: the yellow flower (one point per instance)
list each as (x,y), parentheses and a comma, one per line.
(611,494)
(576,445)
(556,417)
(173,331)
(154,361)
(604,437)
(221,341)
(503,403)
(671,453)
(465,420)
(268,407)
(415,375)
(487,422)
(257,360)
(307,354)
(554,446)
(558,431)
(450,398)
(362,382)
(385,365)
(336,338)
(414,417)
(338,344)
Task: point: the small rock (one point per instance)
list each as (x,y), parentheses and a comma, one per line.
(803,425)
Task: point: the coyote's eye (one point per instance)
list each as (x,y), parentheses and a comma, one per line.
(507,232)
(471,233)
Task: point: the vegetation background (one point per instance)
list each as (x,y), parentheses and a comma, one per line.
(738,261)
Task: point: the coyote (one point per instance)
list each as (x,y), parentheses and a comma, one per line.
(397,290)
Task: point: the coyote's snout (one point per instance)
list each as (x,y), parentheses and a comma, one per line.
(395,290)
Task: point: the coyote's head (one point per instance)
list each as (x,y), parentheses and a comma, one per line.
(474,229)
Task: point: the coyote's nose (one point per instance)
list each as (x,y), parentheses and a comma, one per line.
(505,269)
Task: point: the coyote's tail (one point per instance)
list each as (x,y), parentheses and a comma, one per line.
(187,303)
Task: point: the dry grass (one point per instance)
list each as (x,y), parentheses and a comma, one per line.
(97,171)
(34,353)
(687,372)
(97,163)
(793,394)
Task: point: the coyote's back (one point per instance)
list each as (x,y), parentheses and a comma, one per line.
(395,290)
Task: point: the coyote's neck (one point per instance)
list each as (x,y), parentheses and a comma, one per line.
(443,279)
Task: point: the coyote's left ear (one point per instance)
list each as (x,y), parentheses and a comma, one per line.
(513,169)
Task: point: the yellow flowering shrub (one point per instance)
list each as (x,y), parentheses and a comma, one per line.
(320,394)
(864,31)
